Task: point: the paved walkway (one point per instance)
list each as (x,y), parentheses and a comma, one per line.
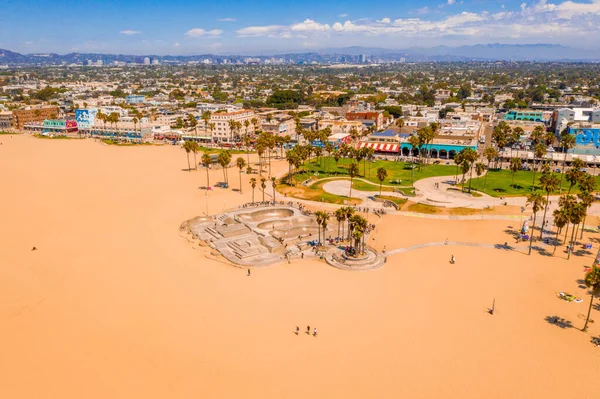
(455,243)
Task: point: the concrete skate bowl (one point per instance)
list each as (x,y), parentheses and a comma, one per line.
(265,214)
(294,232)
(189,224)
(287,223)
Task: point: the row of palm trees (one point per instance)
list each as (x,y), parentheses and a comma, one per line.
(263,185)
(356,226)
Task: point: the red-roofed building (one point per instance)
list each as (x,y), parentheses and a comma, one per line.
(367,118)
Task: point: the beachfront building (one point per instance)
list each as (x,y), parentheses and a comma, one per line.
(524,115)
(279,125)
(6,120)
(341,126)
(563,116)
(223,132)
(368,118)
(33,115)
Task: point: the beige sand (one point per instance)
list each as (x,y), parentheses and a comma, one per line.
(115,304)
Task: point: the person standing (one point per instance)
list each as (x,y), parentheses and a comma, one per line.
(315,332)
(297,330)
(308,329)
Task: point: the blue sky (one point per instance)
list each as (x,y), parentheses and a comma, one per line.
(258,26)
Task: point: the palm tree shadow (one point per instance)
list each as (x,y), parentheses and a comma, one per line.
(581,252)
(541,251)
(596,306)
(581,284)
(559,322)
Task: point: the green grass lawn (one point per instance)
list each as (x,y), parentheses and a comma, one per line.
(400,171)
(499,183)
(315,192)
(1,133)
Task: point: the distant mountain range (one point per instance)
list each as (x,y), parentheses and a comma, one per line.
(480,52)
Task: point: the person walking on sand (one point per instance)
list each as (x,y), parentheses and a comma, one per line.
(248,272)
(308,329)
(297,330)
(452,259)
(315,332)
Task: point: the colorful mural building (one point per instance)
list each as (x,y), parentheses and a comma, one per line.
(53,127)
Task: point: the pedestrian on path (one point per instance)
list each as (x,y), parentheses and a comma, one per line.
(315,332)
(297,330)
(308,329)
(248,272)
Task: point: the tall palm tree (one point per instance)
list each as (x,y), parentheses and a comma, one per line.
(549,182)
(576,215)
(195,150)
(575,173)
(479,169)
(537,202)
(240,164)
(567,140)
(273,184)
(207,160)
(539,151)
(206,115)
(592,281)
(587,185)
(349,213)
(381,175)
(352,172)
(263,185)
(515,165)
(187,146)
(253,184)
(340,216)
(320,215)
(222,160)
(560,220)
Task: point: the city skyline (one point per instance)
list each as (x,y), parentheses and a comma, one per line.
(184,27)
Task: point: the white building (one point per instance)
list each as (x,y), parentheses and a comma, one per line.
(222,131)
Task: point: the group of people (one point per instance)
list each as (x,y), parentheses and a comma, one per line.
(314,333)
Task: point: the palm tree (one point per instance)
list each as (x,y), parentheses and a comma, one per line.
(549,182)
(195,149)
(352,172)
(222,160)
(537,202)
(592,281)
(340,216)
(560,220)
(574,174)
(349,213)
(187,146)
(567,140)
(469,156)
(263,185)
(240,164)
(539,151)
(576,215)
(587,185)
(273,184)
(253,184)
(206,115)
(207,160)
(320,217)
(324,223)
(479,169)
(381,175)
(515,165)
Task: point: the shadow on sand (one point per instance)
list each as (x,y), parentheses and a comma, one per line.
(559,322)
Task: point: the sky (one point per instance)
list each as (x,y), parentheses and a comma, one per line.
(186,27)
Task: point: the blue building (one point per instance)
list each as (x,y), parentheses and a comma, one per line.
(135,99)
(586,136)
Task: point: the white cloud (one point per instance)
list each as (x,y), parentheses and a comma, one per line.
(310,26)
(130,32)
(251,31)
(226,19)
(539,22)
(199,32)
(342,15)
(176,44)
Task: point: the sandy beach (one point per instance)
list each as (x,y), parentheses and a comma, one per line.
(116,304)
